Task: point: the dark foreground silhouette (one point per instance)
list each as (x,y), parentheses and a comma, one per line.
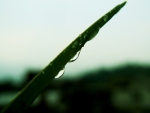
(121,90)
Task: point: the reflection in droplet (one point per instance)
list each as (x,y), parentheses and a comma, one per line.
(105,18)
(75,57)
(60,73)
(94,34)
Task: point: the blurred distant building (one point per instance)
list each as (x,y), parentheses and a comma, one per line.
(122,90)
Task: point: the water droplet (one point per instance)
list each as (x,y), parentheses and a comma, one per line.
(60,73)
(75,44)
(105,18)
(94,34)
(43,72)
(75,56)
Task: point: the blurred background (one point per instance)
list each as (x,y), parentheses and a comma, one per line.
(113,68)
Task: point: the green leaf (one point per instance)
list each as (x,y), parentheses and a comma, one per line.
(30,92)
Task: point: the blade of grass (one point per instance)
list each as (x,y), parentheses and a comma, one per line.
(29,93)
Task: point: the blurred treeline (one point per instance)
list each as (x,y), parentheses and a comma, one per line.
(124,89)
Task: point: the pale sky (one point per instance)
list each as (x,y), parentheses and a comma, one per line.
(34,32)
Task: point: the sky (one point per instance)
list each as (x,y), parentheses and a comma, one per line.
(34,32)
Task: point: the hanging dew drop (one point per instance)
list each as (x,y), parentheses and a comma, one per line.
(75,57)
(60,73)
